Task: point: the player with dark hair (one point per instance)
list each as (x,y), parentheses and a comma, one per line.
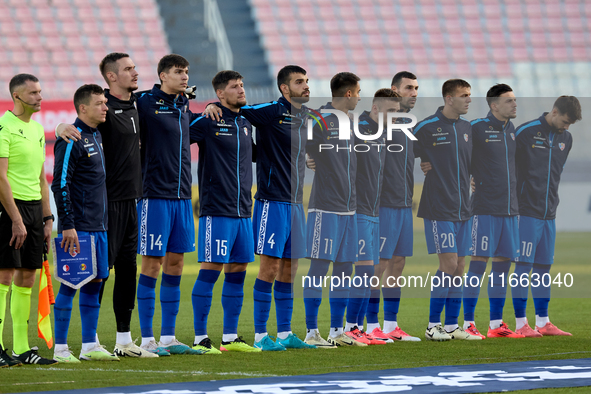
(25,215)
(121,141)
(225,227)
(396,221)
(79,182)
(165,213)
(279,218)
(543,146)
(495,231)
(369,183)
(445,141)
(332,222)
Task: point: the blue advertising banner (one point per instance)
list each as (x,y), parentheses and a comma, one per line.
(78,268)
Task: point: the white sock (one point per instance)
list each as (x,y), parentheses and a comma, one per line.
(495,323)
(229,337)
(311,333)
(97,340)
(147,340)
(166,339)
(283,334)
(431,325)
(123,338)
(520,322)
(450,327)
(335,331)
(60,347)
(467,324)
(199,338)
(87,346)
(349,326)
(372,326)
(390,326)
(542,321)
(259,336)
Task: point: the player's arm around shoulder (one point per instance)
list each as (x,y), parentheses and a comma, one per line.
(199,127)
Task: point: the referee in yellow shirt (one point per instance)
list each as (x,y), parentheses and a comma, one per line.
(25,214)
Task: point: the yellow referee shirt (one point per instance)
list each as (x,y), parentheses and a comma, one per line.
(24,146)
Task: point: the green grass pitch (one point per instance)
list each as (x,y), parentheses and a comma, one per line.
(570,310)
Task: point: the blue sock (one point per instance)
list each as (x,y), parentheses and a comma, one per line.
(146,301)
(339,295)
(518,292)
(89,310)
(453,303)
(391,303)
(498,291)
(262,297)
(283,294)
(313,291)
(232,299)
(201,297)
(363,310)
(541,293)
(62,311)
(438,296)
(373,306)
(359,290)
(170,298)
(471,293)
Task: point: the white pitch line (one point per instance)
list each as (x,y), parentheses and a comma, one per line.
(250,374)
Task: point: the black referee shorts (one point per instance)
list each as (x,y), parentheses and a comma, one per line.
(122,232)
(30,255)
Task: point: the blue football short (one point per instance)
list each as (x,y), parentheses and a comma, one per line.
(101,248)
(537,237)
(368,230)
(396,232)
(165,226)
(495,236)
(448,237)
(332,237)
(279,229)
(225,240)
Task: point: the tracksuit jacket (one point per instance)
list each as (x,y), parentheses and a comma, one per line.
(493,167)
(281,131)
(165,150)
(78,183)
(333,188)
(370,168)
(540,159)
(399,173)
(447,145)
(225,164)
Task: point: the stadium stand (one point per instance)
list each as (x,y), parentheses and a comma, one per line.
(519,41)
(62,41)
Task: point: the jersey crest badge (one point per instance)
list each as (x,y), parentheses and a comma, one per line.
(561,145)
(466,137)
(246,131)
(512,136)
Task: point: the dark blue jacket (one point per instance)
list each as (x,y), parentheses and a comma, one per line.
(165,149)
(493,167)
(225,164)
(333,188)
(78,183)
(281,142)
(399,172)
(540,159)
(447,145)
(370,168)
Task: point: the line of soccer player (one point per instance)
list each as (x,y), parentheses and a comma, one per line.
(127,158)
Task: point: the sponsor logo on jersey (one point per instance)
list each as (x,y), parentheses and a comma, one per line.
(118,111)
